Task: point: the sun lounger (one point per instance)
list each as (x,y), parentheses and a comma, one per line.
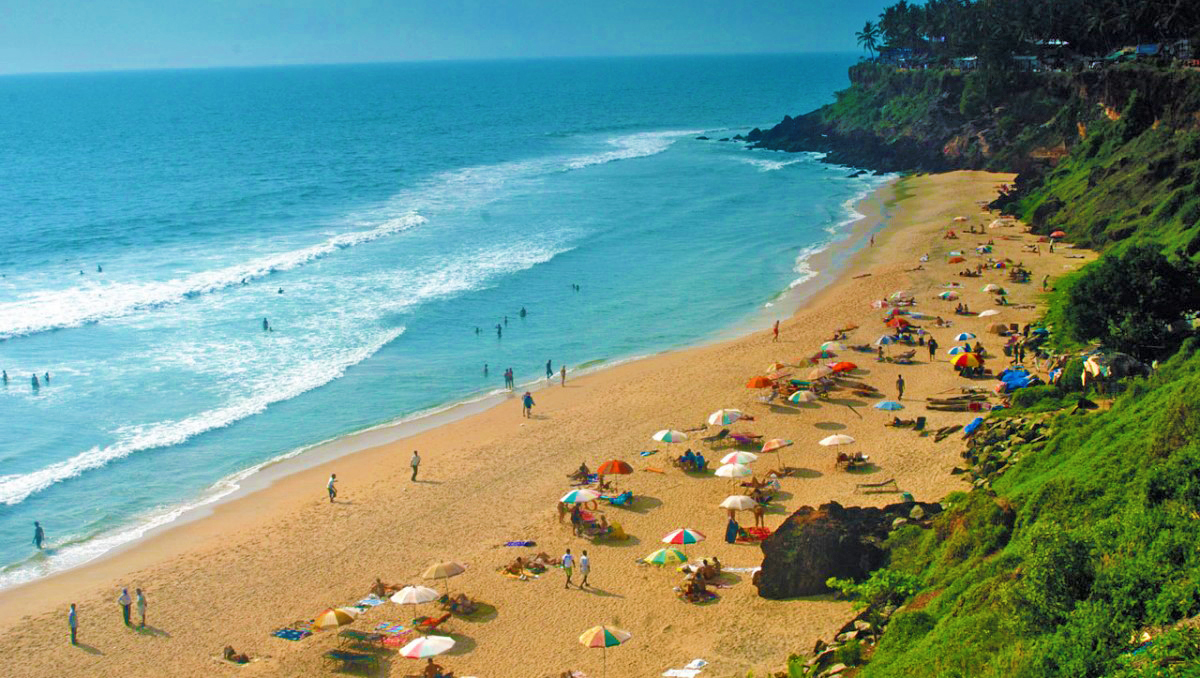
(426,624)
(888,485)
(623,499)
(719,436)
(851,461)
(347,659)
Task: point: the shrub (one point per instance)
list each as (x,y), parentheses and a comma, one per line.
(883,587)
(1058,573)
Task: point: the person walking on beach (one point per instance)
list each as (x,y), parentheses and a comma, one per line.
(141,607)
(872,240)
(562,372)
(585,566)
(39,535)
(73,624)
(775,331)
(1045,281)
(900,386)
(125,602)
(415,462)
(549,370)
(332,486)
(568,566)
(527,405)
(932,349)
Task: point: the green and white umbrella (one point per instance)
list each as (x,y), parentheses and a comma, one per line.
(734,471)
(581,496)
(803,397)
(667,556)
(724,417)
(670,436)
(683,535)
(739,458)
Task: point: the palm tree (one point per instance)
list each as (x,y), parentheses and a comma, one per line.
(868,37)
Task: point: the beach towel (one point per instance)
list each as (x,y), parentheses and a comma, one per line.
(681,673)
(697,663)
(370,601)
(390,628)
(291,634)
(529,542)
(651,469)
(739,569)
(647,453)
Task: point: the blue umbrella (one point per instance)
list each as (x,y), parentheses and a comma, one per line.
(963,336)
(957,349)
(884,341)
(890,405)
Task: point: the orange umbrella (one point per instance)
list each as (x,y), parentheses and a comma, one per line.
(1058,234)
(956,260)
(614,467)
(967,360)
(898,322)
(759,382)
(845,367)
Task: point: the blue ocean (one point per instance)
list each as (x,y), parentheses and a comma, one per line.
(383,220)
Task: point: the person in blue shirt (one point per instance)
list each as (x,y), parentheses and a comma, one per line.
(700,462)
(688,459)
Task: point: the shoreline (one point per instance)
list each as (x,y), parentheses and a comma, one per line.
(286,552)
(828,264)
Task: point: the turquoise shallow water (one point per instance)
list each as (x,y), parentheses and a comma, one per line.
(376,215)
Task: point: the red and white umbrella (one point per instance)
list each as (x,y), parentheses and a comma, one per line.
(739,458)
(427,646)
(684,535)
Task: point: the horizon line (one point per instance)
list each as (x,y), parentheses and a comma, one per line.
(386,62)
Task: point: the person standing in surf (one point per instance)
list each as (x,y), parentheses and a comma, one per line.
(549,370)
(39,535)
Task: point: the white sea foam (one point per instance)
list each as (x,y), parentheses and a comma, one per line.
(303,376)
(767,165)
(72,307)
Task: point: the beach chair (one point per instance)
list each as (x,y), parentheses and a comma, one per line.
(348,659)
(352,636)
(427,624)
(721,435)
(920,425)
(886,486)
(624,499)
(851,461)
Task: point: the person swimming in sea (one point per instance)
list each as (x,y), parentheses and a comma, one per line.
(35,383)
(522,311)
(6,377)
(99,268)
(266,325)
(499,330)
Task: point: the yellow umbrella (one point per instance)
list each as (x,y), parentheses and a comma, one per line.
(667,556)
(334,617)
(604,637)
(444,571)
(775,367)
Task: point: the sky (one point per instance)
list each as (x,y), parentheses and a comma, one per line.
(90,35)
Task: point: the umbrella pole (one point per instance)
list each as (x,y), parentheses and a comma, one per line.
(604,653)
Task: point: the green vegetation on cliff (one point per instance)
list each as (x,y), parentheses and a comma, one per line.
(1087,540)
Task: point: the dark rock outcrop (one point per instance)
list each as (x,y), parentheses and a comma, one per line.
(813,545)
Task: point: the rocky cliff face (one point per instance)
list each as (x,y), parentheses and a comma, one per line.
(814,544)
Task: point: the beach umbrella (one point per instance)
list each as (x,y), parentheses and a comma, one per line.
(683,536)
(334,617)
(833,346)
(733,471)
(956,260)
(444,571)
(821,355)
(427,646)
(960,219)
(879,303)
(614,467)
(955,253)
(670,436)
(884,340)
(775,444)
(967,360)
(992,287)
(988,313)
(837,439)
(759,382)
(775,367)
(414,595)
(604,637)
(803,397)
(948,296)
(739,458)
(957,349)
(1001,264)
(724,417)
(890,405)
(896,323)
(581,496)
(844,366)
(1058,234)
(738,502)
(820,371)
(963,336)
(667,556)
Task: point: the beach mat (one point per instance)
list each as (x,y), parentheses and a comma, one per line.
(519,542)
(291,634)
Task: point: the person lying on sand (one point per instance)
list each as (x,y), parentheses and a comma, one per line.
(382,590)
(232,655)
(516,567)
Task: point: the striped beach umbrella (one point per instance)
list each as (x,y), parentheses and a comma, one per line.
(670,436)
(803,397)
(890,405)
(604,637)
(957,349)
(724,417)
(775,444)
(992,287)
(967,360)
(733,471)
(948,296)
(898,322)
(833,346)
(427,646)
(739,458)
(614,467)
(963,336)
(334,617)
(684,535)
(581,496)
(738,502)
(884,340)
(414,595)
(667,556)
(899,294)
(837,439)
(775,367)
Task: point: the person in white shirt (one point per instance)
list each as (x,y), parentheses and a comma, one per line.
(141,606)
(124,601)
(330,486)
(585,566)
(568,565)
(415,462)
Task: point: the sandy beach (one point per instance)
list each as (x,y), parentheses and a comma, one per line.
(286,553)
